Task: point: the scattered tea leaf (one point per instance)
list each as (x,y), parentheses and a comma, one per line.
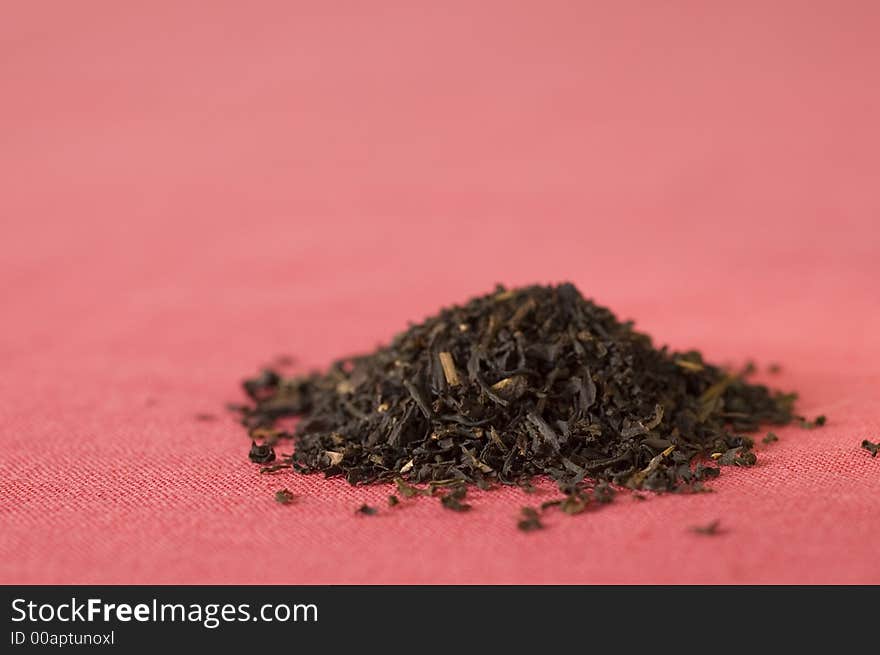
(261,454)
(284,496)
(274,468)
(575,503)
(770,438)
(366,510)
(393,500)
(529,520)
(819,421)
(872,448)
(452,499)
(711,529)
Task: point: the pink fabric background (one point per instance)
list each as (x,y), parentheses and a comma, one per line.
(189,191)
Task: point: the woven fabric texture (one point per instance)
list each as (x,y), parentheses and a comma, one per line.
(188,192)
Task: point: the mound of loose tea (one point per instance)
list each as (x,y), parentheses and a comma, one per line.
(519,383)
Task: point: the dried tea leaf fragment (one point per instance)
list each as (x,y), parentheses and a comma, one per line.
(739,456)
(574,504)
(261,453)
(452,499)
(712,528)
(274,468)
(529,520)
(770,438)
(818,422)
(409,491)
(449,370)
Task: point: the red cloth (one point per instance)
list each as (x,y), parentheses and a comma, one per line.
(191,190)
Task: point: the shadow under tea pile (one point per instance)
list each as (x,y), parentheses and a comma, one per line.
(511,385)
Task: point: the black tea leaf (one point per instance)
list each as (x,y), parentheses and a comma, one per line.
(510,386)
